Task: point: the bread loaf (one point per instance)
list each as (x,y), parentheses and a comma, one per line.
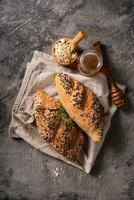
(82,105)
(56,127)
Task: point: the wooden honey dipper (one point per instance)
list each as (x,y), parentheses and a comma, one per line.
(116,94)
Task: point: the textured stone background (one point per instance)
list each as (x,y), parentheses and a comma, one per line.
(27,25)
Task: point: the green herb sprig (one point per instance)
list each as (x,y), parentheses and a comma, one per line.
(63,116)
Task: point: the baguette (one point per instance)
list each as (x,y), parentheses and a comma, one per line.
(82,105)
(56,127)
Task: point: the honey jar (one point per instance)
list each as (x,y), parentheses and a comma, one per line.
(90,62)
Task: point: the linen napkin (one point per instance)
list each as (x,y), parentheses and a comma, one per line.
(40,73)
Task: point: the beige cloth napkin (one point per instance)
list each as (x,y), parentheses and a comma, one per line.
(40,73)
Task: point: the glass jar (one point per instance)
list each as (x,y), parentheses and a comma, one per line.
(90,63)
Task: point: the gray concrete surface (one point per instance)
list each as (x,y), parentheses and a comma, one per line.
(27,25)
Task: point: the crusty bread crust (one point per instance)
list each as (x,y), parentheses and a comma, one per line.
(67,140)
(82,105)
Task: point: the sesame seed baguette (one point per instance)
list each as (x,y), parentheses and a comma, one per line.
(82,105)
(67,140)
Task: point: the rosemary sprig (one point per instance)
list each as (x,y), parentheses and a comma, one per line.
(69,122)
(63,116)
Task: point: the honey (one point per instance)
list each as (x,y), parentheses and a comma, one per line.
(90,63)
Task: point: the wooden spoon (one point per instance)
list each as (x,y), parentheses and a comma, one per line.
(74,42)
(116,94)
